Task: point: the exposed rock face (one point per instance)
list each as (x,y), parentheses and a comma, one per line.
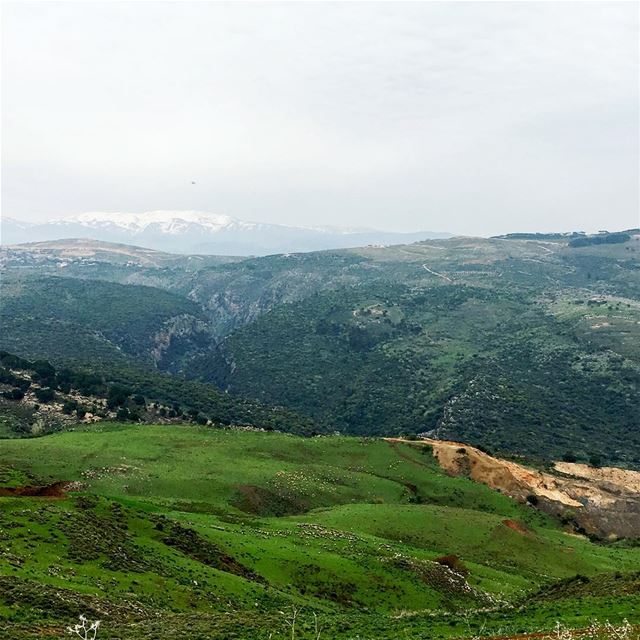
(610,476)
(180,336)
(599,501)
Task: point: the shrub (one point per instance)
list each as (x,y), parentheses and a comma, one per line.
(14,394)
(595,460)
(117,396)
(44,394)
(69,407)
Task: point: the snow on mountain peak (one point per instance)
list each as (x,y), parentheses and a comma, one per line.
(200,232)
(172,222)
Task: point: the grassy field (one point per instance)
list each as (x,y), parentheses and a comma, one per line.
(194,532)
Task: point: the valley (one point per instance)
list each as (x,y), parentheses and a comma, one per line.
(526,345)
(435,440)
(320,320)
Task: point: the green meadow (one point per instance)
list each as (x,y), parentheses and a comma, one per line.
(199,532)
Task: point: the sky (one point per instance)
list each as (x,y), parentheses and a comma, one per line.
(472,118)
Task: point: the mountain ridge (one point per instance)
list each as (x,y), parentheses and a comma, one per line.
(201,232)
(482,340)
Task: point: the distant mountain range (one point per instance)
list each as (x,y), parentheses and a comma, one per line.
(201,232)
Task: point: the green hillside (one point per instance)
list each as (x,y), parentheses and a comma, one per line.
(486,366)
(202,532)
(521,344)
(67,319)
(37,397)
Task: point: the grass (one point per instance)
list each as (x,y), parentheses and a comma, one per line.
(202,532)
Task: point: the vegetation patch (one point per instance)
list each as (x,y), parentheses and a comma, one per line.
(187,541)
(267,502)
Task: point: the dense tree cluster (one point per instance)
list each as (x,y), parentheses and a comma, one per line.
(135,395)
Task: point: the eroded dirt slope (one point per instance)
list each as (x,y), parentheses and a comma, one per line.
(600,501)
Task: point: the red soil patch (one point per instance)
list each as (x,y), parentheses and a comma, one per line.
(55,490)
(516,526)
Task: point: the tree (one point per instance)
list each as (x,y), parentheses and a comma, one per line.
(14,394)
(595,460)
(44,394)
(69,407)
(117,396)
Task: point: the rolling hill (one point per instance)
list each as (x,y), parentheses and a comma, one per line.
(164,496)
(519,344)
(194,532)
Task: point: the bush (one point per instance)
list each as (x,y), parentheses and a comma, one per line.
(595,460)
(43,368)
(69,407)
(117,396)
(44,394)
(14,394)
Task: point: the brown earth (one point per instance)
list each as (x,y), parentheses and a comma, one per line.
(604,502)
(55,490)
(622,478)
(516,526)
(454,563)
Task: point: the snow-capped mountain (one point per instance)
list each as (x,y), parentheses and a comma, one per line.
(172,222)
(200,232)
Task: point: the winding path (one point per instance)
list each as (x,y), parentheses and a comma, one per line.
(435,273)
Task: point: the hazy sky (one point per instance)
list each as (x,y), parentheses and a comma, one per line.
(463,117)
